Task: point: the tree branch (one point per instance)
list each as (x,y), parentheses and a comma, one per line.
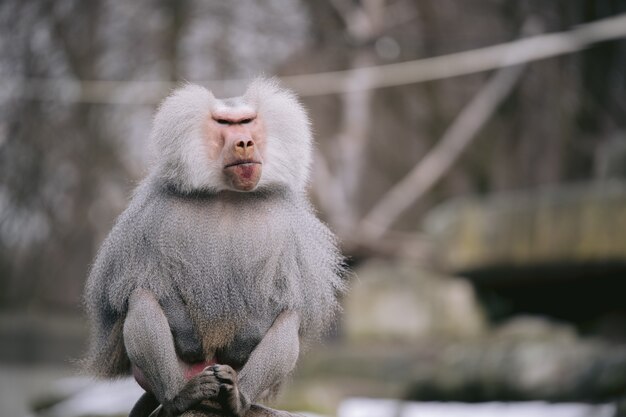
(469,62)
(439,160)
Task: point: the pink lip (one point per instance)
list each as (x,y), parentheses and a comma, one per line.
(242,162)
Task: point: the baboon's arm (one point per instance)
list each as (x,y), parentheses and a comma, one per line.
(150,345)
(273,358)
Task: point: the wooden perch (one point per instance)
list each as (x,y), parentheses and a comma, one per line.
(256,410)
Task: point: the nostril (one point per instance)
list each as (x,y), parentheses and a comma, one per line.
(240,144)
(250,144)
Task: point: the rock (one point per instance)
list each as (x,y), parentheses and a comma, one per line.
(403,303)
(523,251)
(528,328)
(526,359)
(579,224)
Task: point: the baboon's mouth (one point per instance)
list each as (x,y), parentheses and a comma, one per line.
(242,162)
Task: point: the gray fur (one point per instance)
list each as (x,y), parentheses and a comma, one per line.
(221,264)
(148,341)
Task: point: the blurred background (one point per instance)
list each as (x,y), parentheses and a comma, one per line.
(482,207)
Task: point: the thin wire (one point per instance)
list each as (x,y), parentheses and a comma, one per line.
(336,82)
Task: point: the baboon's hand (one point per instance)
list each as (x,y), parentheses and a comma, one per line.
(229,397)
(203,386)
